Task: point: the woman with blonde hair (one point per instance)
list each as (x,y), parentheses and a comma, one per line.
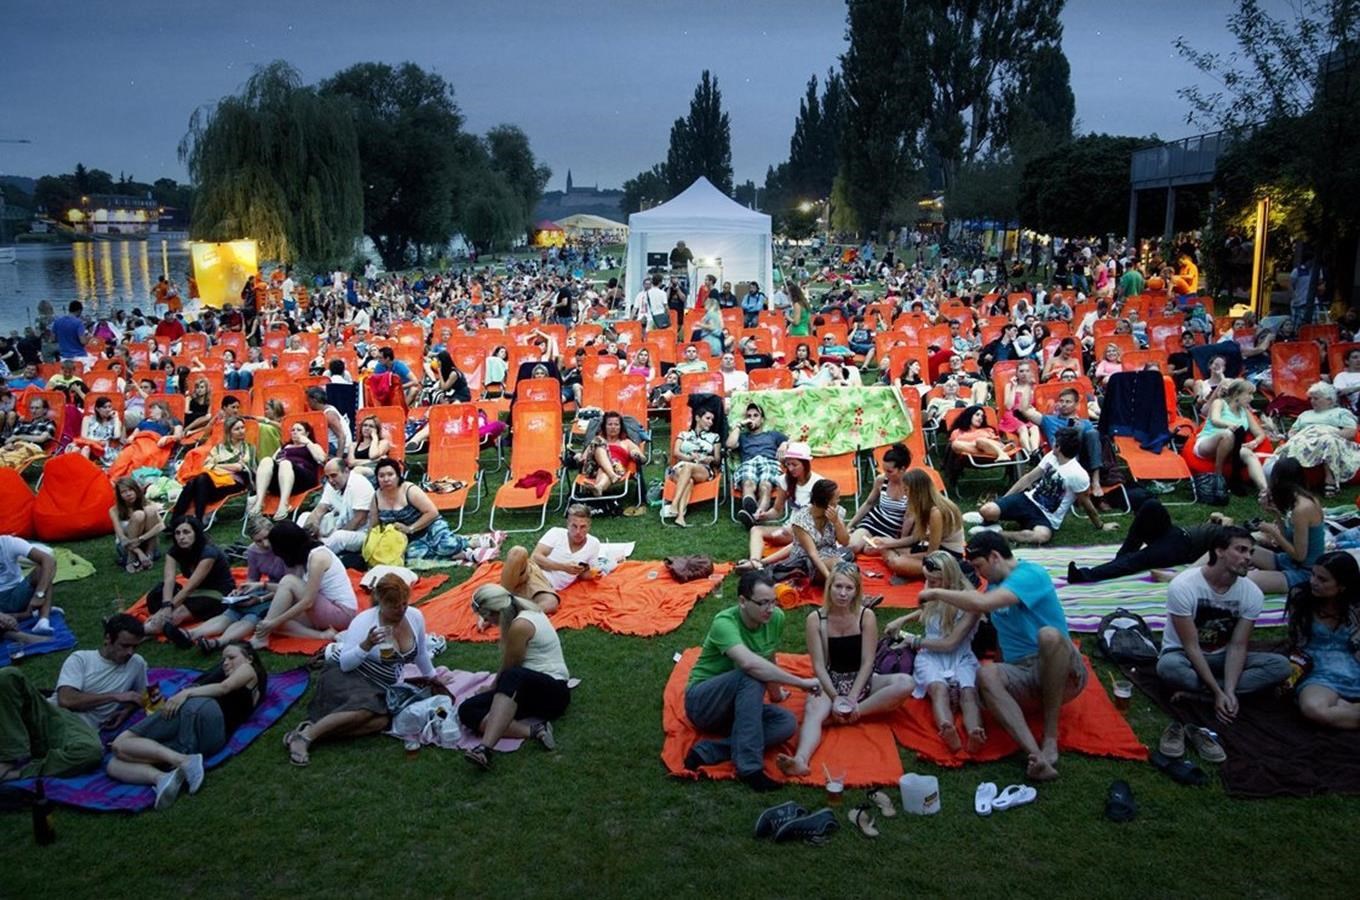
(842,638)
(531,682)
(945,663)
(1230,425)
(933,522)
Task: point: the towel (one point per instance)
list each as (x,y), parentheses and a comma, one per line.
(62,638)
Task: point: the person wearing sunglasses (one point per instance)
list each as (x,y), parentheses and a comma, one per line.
(732,679)
(1041,669)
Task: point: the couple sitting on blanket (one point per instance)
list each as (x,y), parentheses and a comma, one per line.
(98,690)
(1042,669)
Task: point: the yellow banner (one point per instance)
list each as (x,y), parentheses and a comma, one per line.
(221,270)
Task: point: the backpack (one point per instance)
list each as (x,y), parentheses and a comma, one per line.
(1124,637)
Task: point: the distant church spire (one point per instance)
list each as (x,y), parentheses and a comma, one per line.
(568,181)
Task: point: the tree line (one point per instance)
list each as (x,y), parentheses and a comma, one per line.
(375,150)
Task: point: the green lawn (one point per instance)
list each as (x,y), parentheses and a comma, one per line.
(601,816)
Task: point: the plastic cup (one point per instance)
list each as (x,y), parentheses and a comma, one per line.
(843,706)
(835,788)
(1123,694)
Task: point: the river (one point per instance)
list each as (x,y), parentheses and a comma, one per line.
(104,275)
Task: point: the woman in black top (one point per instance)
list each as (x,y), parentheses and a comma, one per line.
(166,749)
(207,575)
(448,384)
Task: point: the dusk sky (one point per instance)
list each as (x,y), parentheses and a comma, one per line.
(595,85)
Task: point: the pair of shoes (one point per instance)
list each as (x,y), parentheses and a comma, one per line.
(771,820)
(168,787)
(978,529)
(814,828)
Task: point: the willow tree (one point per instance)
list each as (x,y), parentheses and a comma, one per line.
(277,163)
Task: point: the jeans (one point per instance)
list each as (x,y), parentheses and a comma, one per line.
(1259,671)
(1153,542)
(734,703)
(239,381)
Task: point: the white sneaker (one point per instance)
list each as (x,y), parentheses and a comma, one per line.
(972,518)
(42,626)
(667,511)
(167,788)
(193,772)
(978,529)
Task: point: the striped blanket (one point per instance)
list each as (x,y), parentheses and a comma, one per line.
(1087,604)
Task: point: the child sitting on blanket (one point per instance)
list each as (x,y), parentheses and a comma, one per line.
(946,669)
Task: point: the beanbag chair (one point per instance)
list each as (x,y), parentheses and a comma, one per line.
(73,500)
(140,453)
(16,513)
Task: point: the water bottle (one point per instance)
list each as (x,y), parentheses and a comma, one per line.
(44,827)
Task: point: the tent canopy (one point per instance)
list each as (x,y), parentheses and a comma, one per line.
(547,225)
(727,239)
(587,222)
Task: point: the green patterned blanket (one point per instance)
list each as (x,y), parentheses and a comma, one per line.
(833,420)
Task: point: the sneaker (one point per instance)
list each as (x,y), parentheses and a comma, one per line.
(543,733)
(193,772)
(1172,743)
(978,529)
(667,511)
(1204,743)
(972,518)
(167,788)
(42,626)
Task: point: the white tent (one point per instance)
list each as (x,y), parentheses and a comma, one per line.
(584,223)
(727,239)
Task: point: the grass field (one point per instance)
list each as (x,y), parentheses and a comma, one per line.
(600,817)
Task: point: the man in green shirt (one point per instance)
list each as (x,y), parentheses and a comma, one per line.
(1131,283)
(734,672)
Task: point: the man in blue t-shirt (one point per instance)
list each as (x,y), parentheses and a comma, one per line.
(69,331)
(1041,668)
(388,362)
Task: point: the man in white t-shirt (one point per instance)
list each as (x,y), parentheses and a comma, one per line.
(561,557)
(1211,611)
(96,689)
(734,379)
(1039,500)
(21,595)
(340,520)
(651,305)
(1347,382)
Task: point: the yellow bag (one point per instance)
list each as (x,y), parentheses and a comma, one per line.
(221,478)
(384,546)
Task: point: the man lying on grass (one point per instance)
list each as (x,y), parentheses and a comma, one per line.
(1040,668)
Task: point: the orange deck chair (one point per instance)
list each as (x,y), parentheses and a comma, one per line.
(536,435)
(454,450)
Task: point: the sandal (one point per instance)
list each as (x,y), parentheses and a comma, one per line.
(479,756)
(298,759)
(208,646)
(1119,803)
(879,797)
(177,636)
(862,819)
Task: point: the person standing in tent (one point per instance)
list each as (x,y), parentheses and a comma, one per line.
(681,259)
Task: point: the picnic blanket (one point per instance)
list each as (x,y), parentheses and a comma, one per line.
(637,598)
(62,638)
(865,750)
(1273,751)
(1087,604)
(878,579)
(285,644)
(1088,724)
(97,791)
(463,685)
(833,420)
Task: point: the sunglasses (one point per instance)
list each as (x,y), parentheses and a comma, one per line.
(930,565)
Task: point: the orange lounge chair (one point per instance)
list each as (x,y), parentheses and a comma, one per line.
(704,491)
(454,447)
(536,435)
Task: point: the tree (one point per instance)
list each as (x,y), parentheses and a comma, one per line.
(278,163)
(512,158)
(884,77)
(407,125)
(975,49)
(646,189)
(701,143)
(814,155)
(1080,188)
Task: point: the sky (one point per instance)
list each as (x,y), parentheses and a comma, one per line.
(594,84)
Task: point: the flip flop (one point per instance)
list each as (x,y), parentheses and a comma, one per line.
(862,819)
(177,636)
(479,756)
(1181,771)
(1119,802)
(1014,795)
(879,797)
(983,798)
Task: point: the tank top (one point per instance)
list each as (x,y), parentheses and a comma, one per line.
(544,652)
(843,653)
(1235,420)
(1317,542)
(335,584)
(405,515)
(885,519)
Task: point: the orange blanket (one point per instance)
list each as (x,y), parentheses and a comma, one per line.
(285,644)
(865,750)
(638,598)
(141,452)
(877,580)
(1089,724)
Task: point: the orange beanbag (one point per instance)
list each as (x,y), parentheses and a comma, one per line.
(73,500)
(16,513)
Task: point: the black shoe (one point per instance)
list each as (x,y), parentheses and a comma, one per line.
(1075,575)
(776,817)
(178,636)
(815,829)
(692,761)
(760,782)
(745,518)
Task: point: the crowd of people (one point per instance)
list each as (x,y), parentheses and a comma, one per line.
(1000,371)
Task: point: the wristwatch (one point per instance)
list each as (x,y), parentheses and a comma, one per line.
(40,594)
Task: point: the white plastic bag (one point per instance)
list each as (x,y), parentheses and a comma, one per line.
(431,722)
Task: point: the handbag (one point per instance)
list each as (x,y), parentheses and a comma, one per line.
(689,568)
(661,320)
(893,658)
(384,546)
(221,478)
